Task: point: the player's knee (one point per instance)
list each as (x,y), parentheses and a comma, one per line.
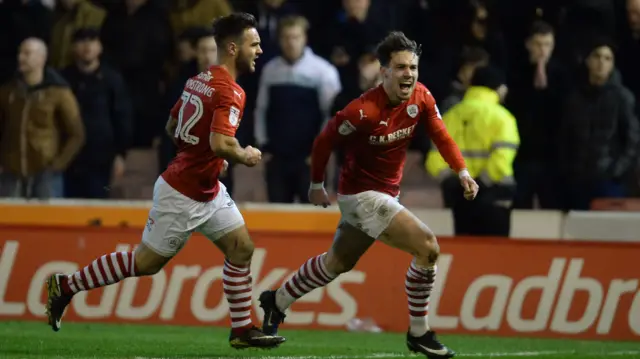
(428,250)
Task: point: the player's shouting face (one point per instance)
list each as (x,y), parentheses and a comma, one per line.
(398,57)
(248,51)
(245,50)
(400,76)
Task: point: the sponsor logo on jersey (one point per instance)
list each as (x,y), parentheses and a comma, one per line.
(392,137)
(346,128)
(234,116)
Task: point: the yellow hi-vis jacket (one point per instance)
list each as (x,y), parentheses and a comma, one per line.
(487,135)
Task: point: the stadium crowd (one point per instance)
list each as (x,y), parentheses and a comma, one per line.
(86,82)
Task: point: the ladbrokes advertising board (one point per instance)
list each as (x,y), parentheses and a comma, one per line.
(500,287)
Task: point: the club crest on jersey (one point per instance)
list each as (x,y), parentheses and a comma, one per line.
(234,116)
(346,128)
(412,110)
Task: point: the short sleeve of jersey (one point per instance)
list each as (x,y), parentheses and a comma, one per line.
(227,112)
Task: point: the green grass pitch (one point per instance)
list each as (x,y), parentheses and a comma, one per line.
(31,340)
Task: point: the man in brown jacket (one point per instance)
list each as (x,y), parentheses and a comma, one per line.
(40,127)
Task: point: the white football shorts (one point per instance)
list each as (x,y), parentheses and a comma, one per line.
(174,216)
(369,211)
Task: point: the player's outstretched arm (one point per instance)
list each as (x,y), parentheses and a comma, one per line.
(229,148)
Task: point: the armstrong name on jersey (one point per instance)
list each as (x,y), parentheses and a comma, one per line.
(201,87)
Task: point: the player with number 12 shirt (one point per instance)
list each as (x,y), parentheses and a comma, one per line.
(188,197)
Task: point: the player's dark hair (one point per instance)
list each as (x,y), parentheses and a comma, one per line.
(540,27)
(232,26)
(394,42)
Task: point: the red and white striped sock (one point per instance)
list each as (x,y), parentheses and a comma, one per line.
(105,270)
(236,282)
(418,286)
(311,275)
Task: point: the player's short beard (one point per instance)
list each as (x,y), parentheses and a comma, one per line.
(242,64)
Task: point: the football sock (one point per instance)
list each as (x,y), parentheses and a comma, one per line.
(237,285)
(311,275)
(103,271)
(418,286)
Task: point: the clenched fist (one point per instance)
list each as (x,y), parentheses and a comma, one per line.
(252,156)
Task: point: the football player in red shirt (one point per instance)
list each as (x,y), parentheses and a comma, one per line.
(374,132)
(188,197)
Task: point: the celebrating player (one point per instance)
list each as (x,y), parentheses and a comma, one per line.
(374,132)
(188,197)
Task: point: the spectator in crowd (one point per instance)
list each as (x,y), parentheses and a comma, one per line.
(71,15)
(481,30)
(627,61)
(40,127)
(295,96)
(536,93)
(599,134)
(629,54)
(20,20)
(352,35)
(185,14)
(487,135)
(484,32)
(186,47)
(582,22)
(106,113)
(137,41)
(470,59)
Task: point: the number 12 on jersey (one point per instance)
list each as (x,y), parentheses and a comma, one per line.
(192,108)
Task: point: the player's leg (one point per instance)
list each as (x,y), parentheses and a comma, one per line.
(226,229)
(406,232)
(348,246)
(164,235)
(104,270)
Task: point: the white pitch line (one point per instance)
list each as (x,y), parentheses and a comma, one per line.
(400,355)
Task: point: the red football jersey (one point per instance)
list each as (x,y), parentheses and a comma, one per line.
(212,101)
(375,136)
